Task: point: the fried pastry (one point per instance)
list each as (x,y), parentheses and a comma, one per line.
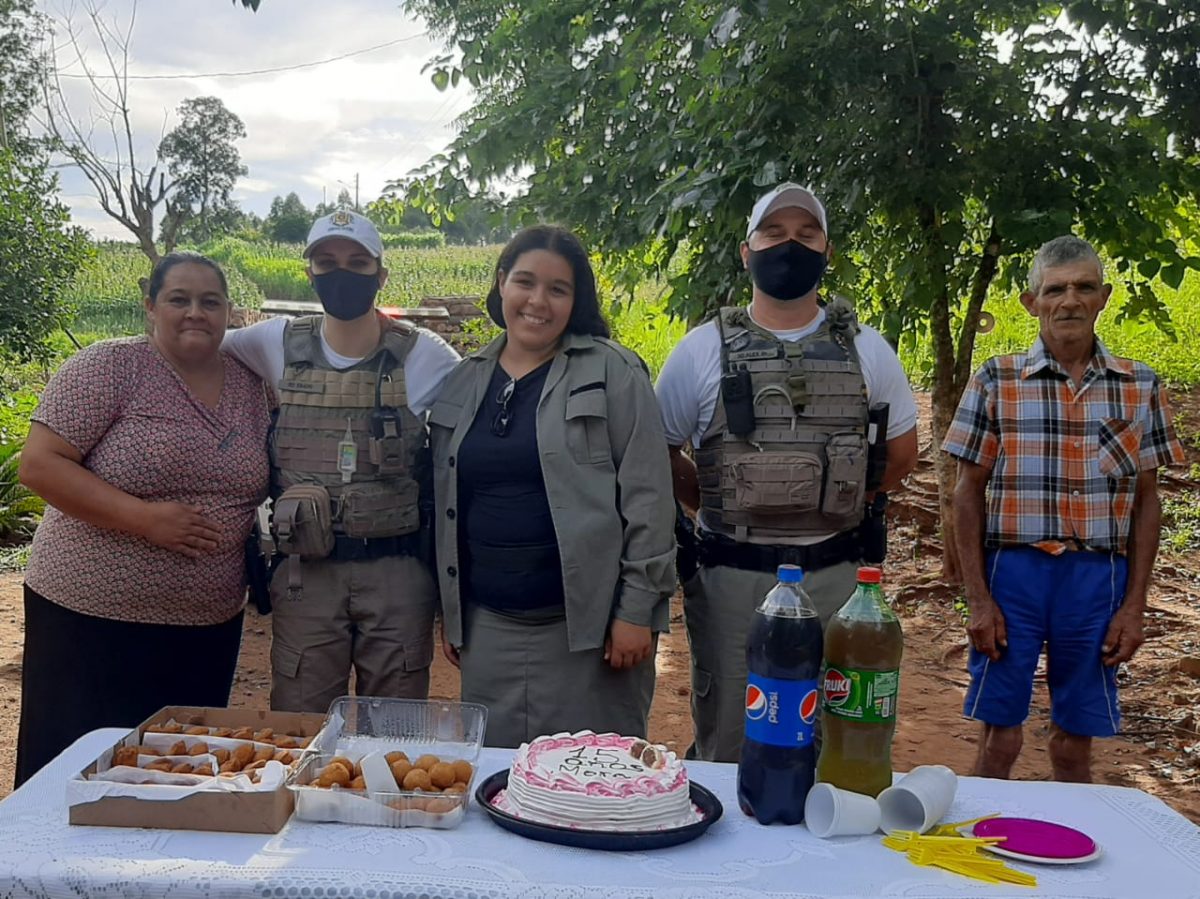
(426,762)
(400,769)
(417,779)
(442,775)
(333,775)
(441,805)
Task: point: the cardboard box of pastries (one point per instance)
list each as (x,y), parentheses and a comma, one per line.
(191,768)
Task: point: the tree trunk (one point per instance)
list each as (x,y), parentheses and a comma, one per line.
(945,401)
(951,374)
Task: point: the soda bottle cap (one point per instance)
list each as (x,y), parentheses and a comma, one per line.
(869,575)
(790,574)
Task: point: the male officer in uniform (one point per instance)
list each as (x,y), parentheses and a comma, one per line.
(348,449)
(789,406)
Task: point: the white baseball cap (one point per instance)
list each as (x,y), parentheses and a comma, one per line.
(783,196)
(349,225)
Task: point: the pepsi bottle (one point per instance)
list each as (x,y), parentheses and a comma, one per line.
(783,659)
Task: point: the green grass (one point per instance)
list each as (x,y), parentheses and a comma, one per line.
(15,558)
(1181,522)
(106,295)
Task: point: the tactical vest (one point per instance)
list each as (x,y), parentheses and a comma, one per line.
(801,469)
(317,403)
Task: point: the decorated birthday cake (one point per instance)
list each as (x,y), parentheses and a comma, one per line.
(598,782)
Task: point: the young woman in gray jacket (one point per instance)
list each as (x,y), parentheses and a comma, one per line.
(555,540)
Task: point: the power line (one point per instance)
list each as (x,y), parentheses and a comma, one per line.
(302,65)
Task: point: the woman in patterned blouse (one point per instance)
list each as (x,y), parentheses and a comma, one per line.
(151,453)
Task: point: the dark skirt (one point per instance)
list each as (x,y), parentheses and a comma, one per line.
(521,669)
(81,673)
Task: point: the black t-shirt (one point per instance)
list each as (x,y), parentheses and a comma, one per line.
(506,534)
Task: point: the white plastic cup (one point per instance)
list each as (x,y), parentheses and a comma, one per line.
(918,800)
(830,812)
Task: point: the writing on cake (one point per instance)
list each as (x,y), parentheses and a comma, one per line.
(598,782)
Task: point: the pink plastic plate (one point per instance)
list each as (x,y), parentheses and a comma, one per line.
(1042,842)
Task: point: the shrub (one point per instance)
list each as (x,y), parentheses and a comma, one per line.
(413,240)
(19,508)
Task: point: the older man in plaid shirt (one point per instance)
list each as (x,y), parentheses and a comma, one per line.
(1057,516)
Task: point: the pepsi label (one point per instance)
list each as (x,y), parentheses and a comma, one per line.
(780,712)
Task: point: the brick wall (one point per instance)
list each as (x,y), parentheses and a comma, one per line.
(444,316)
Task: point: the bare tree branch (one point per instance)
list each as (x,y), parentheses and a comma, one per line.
(128,193)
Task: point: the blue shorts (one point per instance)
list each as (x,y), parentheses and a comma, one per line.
(1066,602)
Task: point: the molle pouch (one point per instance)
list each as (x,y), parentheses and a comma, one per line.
(303,522)
(845,475)
(737,393)
(873,531)
(379,509)
(877,429)
(781,483)
(386,443)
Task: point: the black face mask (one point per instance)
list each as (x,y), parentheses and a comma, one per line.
(346,295)
(787,271)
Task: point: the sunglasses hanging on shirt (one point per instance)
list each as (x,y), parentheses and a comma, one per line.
(504,416)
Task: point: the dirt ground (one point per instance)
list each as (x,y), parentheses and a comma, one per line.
(1159,751)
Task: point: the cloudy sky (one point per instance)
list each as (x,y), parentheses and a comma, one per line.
(310,129)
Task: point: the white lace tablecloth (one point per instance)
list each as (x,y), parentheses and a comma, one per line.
(1149,850)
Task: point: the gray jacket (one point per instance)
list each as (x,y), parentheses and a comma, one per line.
(608,480)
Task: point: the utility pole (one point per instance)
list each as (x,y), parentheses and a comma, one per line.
(357,208)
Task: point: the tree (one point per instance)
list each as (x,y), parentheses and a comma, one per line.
(127,191)
(201,157)
(949,137)
(39,252)
(20,72)
(39,255)
(288,220)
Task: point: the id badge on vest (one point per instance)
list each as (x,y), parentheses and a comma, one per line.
(347,454)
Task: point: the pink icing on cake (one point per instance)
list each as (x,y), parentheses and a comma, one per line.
(595,781)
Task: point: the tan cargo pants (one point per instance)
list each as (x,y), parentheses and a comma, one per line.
(718,606)
(375,616)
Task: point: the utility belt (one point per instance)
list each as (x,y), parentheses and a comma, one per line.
(365,525)
(357,549)
(303,528)
(867,543)
(715,550)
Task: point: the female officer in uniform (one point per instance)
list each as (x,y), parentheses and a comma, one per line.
(554,508)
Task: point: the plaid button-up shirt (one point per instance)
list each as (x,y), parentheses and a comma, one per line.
(1064,458)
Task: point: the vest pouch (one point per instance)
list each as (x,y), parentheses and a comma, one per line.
(379,509)
(779,483)
(845,475)
(303,522)
(386,443)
